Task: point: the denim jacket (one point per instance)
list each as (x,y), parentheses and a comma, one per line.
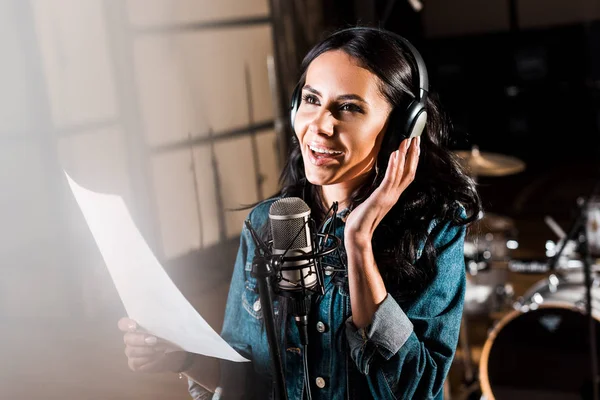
(405,353)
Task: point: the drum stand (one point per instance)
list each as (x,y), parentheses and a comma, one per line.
(469,389)
(471,385)
(578,233)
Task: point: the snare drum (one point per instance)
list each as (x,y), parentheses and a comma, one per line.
(541,349)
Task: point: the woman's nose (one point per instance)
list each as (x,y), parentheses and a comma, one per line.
(322,123)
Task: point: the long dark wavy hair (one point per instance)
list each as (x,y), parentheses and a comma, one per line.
(440,184)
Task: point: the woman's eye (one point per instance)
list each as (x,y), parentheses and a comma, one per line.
(351,107)
(310,99)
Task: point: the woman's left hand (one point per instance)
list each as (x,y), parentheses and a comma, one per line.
(402,166)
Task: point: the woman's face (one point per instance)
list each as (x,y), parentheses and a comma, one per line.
(341,120)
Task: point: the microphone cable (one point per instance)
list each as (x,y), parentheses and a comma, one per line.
(306,377)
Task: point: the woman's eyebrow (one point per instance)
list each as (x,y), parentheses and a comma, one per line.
(352,97)
(341,97)
(312,90)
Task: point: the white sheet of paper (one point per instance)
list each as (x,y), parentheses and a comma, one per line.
(149,295)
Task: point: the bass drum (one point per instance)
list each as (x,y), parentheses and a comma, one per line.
(541,349)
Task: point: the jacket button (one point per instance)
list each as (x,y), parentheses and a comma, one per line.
(321,327)
(256,306)
(320,382)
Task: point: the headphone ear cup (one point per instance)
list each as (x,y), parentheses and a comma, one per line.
(416,119)
(295,103)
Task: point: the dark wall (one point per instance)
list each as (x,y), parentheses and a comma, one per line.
(533,95)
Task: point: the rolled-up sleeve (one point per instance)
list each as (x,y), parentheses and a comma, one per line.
(407,350)
(386,334)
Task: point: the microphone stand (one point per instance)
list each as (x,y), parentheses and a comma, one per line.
(263,271)
(578,230)
(265,268)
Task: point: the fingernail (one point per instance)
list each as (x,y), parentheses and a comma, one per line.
(409,142)
(151,340)
(396,154)
(131,326)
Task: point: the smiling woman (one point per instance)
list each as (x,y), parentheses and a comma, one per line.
(340,123)
(369,137)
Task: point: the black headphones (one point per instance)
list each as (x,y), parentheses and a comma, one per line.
(414,117)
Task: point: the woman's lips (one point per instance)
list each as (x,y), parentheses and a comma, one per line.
(319,159)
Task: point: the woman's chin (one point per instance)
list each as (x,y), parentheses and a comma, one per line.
(319,179)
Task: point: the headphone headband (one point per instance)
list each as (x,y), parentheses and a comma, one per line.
(420,63)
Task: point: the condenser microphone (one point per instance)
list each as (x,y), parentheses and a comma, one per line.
(292,236)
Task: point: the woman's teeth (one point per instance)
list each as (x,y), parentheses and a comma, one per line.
(324,151)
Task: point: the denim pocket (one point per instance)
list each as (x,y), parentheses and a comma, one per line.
(251,299)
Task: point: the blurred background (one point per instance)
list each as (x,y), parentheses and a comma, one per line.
(180,107)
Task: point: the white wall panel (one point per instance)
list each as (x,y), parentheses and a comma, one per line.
(16,105)
(97,160)
(207,195)
(73,41)
(169,87)
(35,282)
(267,161)
(30,244)
(173,182)
(25,203)
(236,168)
(160,12)
(193,82)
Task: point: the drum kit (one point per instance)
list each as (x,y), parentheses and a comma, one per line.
(490,240)
(538,346)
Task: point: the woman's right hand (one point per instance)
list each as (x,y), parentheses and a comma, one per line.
(147,353)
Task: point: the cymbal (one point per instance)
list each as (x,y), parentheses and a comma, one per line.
(489,164)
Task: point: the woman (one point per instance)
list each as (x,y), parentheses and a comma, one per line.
(388,327)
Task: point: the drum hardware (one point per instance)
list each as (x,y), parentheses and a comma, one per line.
(592,226)
(578,232)
(554,323)
(469,389)
(569,258)
(533,298)
(474,267)
(529,266)
(491,238)
(556,228)
(488,292)
(505,295)
(487,248)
